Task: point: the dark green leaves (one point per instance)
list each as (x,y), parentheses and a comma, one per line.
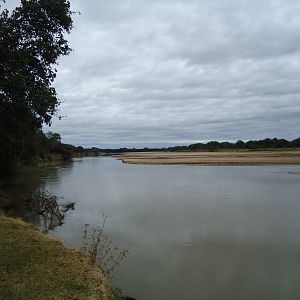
(31,41)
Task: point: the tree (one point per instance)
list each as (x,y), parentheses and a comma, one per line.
(240,144)
(53,138)
(31,41)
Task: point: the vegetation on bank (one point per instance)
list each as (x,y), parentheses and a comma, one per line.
(250,145)
(72,151)
(48,146)
(32,40)
(264,144)
(35,266)
(25,253)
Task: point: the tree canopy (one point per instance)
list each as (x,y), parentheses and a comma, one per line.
(31,41)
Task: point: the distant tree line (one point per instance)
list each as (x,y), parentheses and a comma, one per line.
(210,146)
(251,145)
(40,146)
(145,149)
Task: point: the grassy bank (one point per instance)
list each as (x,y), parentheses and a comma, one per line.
(34,266)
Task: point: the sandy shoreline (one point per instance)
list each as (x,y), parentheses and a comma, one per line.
(285,157)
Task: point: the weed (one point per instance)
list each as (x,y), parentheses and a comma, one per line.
(97,245)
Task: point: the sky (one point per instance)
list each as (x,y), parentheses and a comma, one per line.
(171,72)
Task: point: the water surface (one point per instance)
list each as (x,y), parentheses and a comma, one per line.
(193,232)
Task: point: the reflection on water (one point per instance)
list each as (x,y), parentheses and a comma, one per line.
(33,203)
(192,232)
(48,207)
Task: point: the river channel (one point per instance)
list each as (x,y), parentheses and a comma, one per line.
(193,232)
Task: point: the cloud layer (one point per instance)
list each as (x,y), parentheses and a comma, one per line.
(170,72)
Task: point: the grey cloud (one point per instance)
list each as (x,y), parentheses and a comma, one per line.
(172,72)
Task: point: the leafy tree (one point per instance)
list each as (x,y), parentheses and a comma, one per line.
(213,145)
(31,41)
(239,144)
(295,143)
(53,138)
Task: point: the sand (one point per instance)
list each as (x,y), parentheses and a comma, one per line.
(285,157)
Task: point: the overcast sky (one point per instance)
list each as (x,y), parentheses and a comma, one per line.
(148,73)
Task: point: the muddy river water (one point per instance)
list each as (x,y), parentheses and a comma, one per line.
(230,232)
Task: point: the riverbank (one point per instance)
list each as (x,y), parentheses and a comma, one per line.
(281,157)
(35,266)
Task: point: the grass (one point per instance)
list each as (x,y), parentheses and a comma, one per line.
(35,266)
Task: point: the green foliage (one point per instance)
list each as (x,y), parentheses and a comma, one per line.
(213,146)
(42,144)
(256,144)
(55,146)
(31,41)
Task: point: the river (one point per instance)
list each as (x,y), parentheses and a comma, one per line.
(193,232)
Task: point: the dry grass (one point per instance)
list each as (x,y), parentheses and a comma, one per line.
(213,158)
(34,266)
(97,245)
